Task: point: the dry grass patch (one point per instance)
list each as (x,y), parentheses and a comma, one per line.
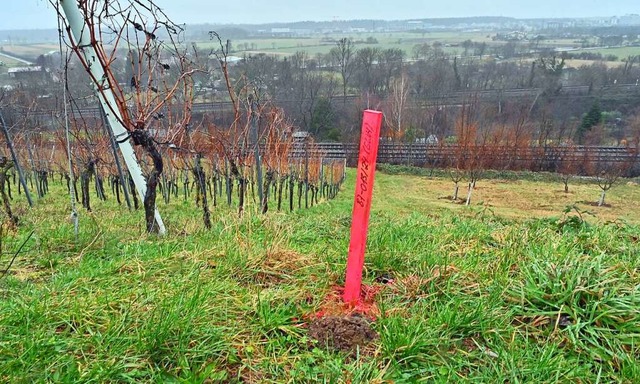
(514,199)
(276,266)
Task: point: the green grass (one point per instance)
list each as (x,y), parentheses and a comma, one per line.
(314,45)
(29,50)
(4,69)
(622,53)
(8,62)
(481,294)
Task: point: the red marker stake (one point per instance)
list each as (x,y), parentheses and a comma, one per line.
(369,141)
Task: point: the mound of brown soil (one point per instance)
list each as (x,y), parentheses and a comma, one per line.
(343,334)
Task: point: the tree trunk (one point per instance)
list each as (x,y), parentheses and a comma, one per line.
(85,178)
(116,187)
(280,185)
(23,182)
(455,192)
(229,184)
(200,178)
(602,197)
(471,185)
(44,182)
(242,186)
(84,186)
(142,138)
(9,187)
(267,185)
(150,199)
(6,166)
(134,194)
(165,189)
(214,196)
(99,188)
(185,187)
(291,187)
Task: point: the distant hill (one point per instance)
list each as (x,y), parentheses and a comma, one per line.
(28,36)
(367,23)
(239,31)
(243,31)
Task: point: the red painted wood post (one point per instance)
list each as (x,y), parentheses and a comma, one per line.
(369,141)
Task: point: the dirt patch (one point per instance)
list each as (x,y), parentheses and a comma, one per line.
(277,266)
(560,321)
(468,345)
(595,204)
(385,278)
(342,333)
(450,198)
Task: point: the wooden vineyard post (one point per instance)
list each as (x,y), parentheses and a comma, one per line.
(369,141)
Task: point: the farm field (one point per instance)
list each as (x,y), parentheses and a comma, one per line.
(29,50)
(621,52)
(9,62)
(284,46)
(511,289)
(580,63)
(314,45)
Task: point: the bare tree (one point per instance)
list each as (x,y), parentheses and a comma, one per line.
(456,176)
(9,142)
(157,106)
(568,164)
(343,55)
(398,104)
(5,166)
(366,72)
(552,69)
(390,63)
(607,172)
(470,149)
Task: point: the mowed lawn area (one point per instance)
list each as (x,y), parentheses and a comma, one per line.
(527,285)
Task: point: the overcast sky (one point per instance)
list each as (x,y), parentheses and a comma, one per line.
(29,14)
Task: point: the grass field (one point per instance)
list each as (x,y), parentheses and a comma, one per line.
(621,53)
(511,289)
(9,62)
(284,46)
(30,50)
(580,63)
(314,45)
(6,64)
